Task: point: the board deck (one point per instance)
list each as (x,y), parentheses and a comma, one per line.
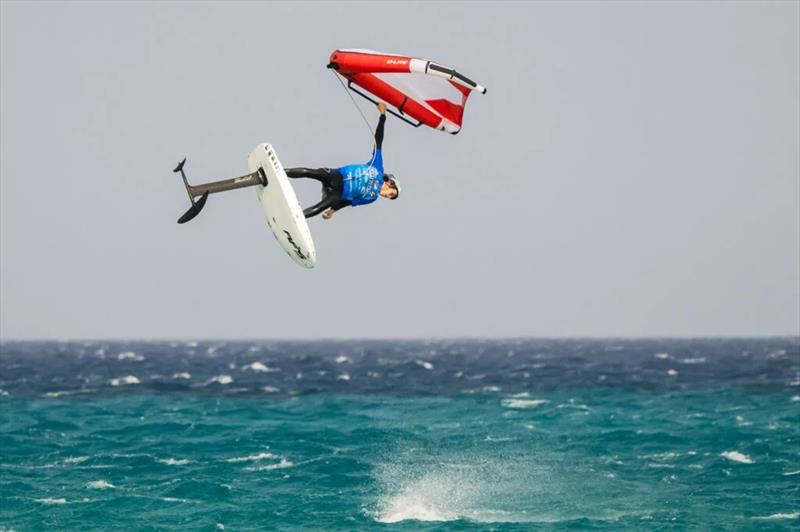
(281,208)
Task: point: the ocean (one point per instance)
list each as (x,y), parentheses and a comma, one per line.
(519,434)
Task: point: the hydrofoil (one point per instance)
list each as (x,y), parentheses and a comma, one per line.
(275,194)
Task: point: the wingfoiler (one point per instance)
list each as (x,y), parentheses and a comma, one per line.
(417,91)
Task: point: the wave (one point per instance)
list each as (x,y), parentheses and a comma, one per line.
(49,500)
(774,517)
(251,458)
(173,461)
(736,456)
(128,379)
(523,403)
(100,485)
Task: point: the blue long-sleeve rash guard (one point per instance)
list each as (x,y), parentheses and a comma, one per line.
(362,182)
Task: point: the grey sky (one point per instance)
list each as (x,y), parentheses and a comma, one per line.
(634,169)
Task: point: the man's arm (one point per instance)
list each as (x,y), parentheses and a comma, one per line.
(379,129)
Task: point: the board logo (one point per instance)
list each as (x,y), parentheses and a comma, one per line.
(294,245)
(396,62)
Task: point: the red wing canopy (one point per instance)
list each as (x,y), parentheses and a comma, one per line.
(422,90)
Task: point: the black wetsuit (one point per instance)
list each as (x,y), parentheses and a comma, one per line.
(331,179)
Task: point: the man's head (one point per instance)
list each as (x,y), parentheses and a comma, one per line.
(390,188)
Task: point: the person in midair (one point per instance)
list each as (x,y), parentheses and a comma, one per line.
(354,184)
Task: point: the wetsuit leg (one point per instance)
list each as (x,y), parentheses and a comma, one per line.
(332,186)
(326,176)
(328,201)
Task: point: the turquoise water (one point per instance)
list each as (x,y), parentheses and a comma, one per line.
(671,457)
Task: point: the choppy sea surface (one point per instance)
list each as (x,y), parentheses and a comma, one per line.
(413,435)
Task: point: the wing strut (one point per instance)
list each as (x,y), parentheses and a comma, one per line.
(367,97)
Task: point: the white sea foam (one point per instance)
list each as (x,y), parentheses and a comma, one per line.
(672,372)
(343,377)
(173,499)
(795,398)
(697,360)
(76,459)
(49,500)
(99,485)
(791,473)
(251,458)
(662,356)
(424,364)
(774,517)
(173,461)
(524,403)
(283,464)
(341,359)
(496,439)
(572,404)
(128,379)
(411,507)
(736,456)
(61,393)
(220,379)
(270,389)
(447,491)
(490,389)
(4,393)
(182,375)
(259,367)
(429,498)
(130,355)
(662,456)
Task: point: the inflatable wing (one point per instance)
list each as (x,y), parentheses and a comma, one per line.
(417,89)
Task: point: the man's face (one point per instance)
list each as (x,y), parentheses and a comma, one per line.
(388,191)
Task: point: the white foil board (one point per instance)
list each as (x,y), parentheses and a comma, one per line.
(281,208)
